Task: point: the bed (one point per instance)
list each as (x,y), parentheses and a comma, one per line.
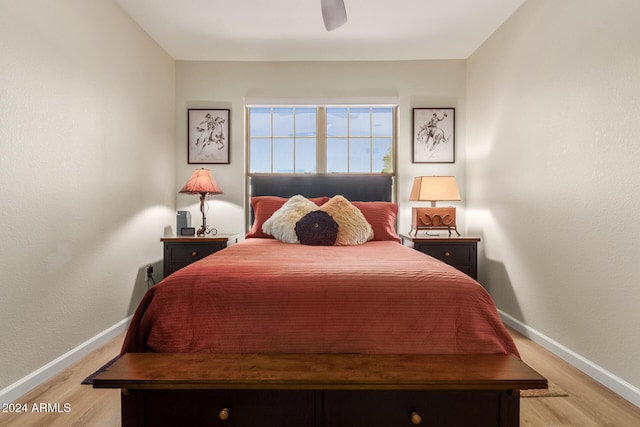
(314,290)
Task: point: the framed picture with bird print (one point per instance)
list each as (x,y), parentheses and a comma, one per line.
(434,135)
(208,136)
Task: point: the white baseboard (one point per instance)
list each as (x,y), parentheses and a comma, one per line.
(24,385)
(604,377)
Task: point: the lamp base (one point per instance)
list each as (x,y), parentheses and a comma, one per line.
(434,218)
(204,229)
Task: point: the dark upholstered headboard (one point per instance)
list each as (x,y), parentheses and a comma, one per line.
(357,188)
(362,188)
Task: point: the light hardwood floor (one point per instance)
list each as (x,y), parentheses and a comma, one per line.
(587,404)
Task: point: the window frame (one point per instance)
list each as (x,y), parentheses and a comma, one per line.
(322,138)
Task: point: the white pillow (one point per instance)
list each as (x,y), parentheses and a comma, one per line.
(282,224)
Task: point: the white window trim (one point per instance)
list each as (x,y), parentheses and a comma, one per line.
(321,139)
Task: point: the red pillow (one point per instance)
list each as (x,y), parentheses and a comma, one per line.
(382,217)
(264,207)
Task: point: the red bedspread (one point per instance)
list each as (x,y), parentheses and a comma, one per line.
(265,296)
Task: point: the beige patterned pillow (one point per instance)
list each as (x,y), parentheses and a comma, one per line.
(353,228)
(282,223)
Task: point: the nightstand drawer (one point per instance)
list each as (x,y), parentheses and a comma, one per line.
(182,251)
(186,252)
(457,251)
(451,254)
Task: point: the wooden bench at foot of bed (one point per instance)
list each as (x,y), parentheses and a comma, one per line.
(319,389)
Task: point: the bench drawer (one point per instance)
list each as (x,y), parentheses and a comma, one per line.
(246,408)
(397,408)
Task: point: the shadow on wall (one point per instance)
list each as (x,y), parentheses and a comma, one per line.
(142,284)
(495,278)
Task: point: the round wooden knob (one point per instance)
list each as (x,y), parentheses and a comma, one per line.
(224,414)
(447,253)
(194,253)
(416,418)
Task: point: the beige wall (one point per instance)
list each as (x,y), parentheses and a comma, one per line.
(86,173)
(553,143)
(227,84)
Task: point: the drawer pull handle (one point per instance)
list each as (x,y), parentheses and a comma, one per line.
(447,253)
(416,418)
(194,253)
(224,414)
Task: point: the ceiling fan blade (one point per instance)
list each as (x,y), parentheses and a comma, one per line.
(334,14)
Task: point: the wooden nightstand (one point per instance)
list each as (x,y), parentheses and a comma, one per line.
(458,251)
(183,250)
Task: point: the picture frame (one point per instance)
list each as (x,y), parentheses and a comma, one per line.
(208,136)
(434,135)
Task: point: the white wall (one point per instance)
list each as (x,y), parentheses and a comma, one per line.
(86,171)
(227,84)
(553,183)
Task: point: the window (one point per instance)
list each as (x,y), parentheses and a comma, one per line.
(327,139)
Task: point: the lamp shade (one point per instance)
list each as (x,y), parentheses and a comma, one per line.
(434,188)
(201,182)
